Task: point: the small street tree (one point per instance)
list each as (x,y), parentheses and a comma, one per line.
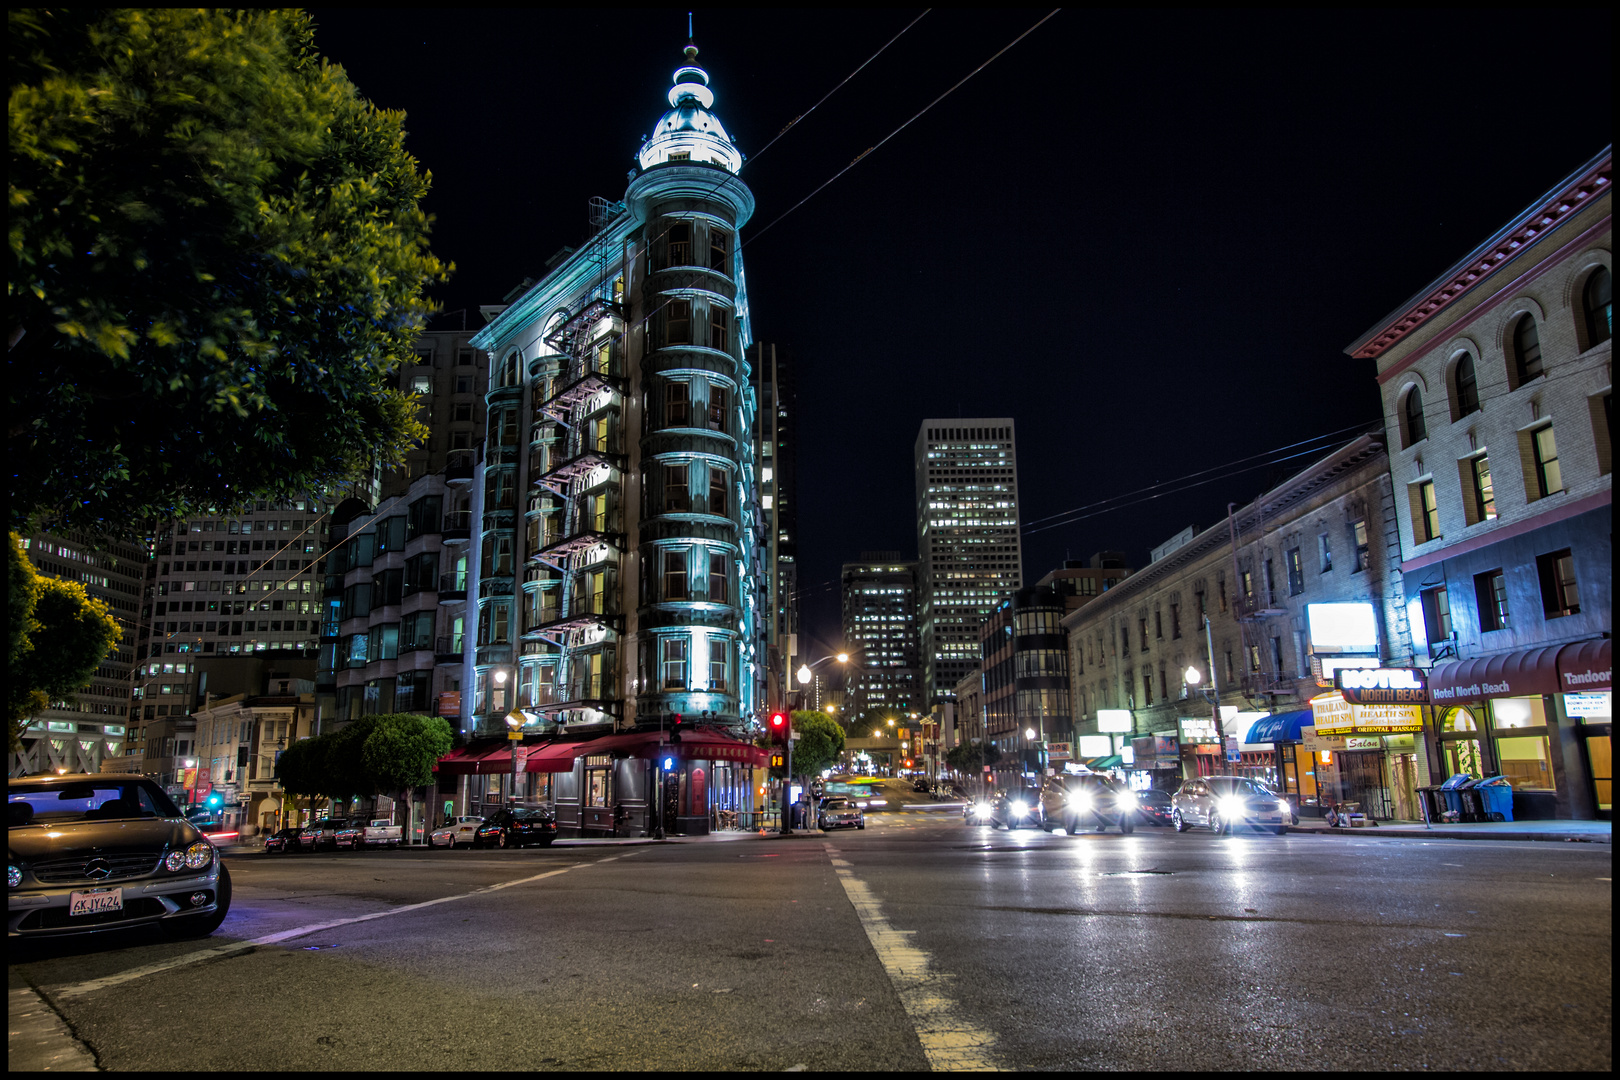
(401,750)
(298,770)
(820,742)
(58,634)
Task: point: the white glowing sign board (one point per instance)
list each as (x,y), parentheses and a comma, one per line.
(1117,720)
(1343,627)
(1092,746)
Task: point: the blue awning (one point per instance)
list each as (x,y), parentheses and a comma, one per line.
(1280,727)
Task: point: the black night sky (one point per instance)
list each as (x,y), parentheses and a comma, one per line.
(1146,236)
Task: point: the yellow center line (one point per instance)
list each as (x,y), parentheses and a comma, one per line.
(950,1042)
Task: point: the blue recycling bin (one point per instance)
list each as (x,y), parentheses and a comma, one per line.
(1496,795)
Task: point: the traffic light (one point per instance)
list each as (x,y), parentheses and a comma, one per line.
(780,727)
(675,724)
(215,801)
(778,763)
(668,762)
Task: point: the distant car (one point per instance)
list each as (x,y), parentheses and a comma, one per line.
(93,852)
(840,813)
(517,827)
(218,833)
(1153,805)
(284,841)
(326,830)
(1015,810)
(460,832)
(1078,801)
(920,784)
(1222,802)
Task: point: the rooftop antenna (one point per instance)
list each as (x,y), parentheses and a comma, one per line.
(689,28)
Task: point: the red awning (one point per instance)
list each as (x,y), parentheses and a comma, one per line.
(1586,665)
(478,760)
(552,757)
(706,746)
(1529,673)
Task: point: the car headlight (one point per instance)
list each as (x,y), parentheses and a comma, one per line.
(1127,801)
(981,810)
(1020,808)
(175,860)
(1231,807)
(1079,801)
(13,875)
(199,855)
(1282,805)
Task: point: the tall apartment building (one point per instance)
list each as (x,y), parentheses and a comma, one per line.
(394,620)
(1497,382)
(93,731)
(968,546)
(880,634)
(776,387)
(620,575)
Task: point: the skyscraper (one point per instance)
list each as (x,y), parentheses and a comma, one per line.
(880,633)
(774,377)
(967,538)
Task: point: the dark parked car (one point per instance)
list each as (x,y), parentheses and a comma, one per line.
(1079,801)
(517,827)
(1013,810)
(101,852)
(285,841)
(1154,806)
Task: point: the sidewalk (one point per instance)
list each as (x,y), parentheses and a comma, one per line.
(1591,832)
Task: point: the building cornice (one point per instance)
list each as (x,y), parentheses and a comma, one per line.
(1518,236)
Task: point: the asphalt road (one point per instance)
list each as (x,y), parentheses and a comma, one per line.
(917,942)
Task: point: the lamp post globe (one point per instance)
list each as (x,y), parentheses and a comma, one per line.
(1193,676)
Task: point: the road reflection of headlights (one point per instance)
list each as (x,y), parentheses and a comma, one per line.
(1020,808)
(1231,807)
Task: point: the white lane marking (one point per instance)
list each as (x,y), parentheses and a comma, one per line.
(949,1041)
(92,985)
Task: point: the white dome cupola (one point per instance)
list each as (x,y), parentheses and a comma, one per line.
(689,132)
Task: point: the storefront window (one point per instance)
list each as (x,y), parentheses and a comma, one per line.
(1463,755)
(1518,712)
(597,770)
(1525,764)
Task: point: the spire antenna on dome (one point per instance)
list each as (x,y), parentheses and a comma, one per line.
(691,49)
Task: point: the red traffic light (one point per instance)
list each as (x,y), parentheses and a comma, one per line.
(778,726)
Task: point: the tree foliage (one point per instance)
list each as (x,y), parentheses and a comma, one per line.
(820,742)
(969,759)
(402,748)
(59,634)
(217,255)
(391,753)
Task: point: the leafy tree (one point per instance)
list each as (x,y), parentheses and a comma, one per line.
(298,770)
(216,263)
(821,740)
(343,766)
(400,752)
(969,759)
(58,636)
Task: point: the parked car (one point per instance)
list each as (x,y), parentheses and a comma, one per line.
(1078,801)
(285,841)
(1013,810)
(920,784)
(517,827)
(459,832)
(1153,805)
(326,830)
(1221,802)
(361,833)
(838,812)
(87,853)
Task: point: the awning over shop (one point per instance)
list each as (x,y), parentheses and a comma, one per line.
(478,759)
(551,757)
(1527,673)
(1108,761)
(1586,665)
(1279,727)
(706,746)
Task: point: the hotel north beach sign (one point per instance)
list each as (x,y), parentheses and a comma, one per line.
(1383,686)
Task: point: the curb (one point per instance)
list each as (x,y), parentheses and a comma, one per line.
(1454,834)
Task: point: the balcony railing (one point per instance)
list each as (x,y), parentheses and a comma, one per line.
(457,527)
(452,587)
(458,468)
(448,649)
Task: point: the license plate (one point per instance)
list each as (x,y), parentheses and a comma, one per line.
(94,903)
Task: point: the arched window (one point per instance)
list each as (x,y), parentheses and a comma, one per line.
(1526,349)
(1416,431)
(1598,300)
(1467,386)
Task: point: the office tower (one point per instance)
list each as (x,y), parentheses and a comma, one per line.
(880,634)
(967,538)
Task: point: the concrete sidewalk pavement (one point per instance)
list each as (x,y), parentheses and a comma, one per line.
(1594,832)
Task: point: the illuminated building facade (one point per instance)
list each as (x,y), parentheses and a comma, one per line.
(1497,383)
(620,573)
(880,634)
(94,730)
(968,547)
(775,378)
